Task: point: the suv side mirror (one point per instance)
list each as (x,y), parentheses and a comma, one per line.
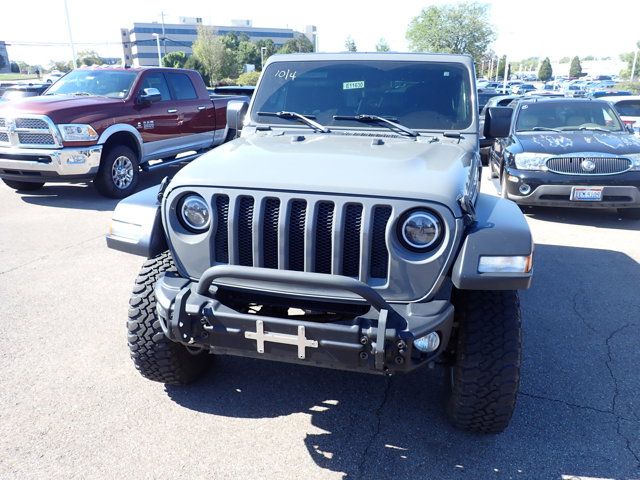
(497,122)
(149,95)
(630,128)
(236,111)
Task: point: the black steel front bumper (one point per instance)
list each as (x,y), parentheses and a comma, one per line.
(380,341)
(554,190)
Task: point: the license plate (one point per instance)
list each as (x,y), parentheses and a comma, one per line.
(586,194)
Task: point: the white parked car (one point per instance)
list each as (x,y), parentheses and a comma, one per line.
(53,77)
(629,109)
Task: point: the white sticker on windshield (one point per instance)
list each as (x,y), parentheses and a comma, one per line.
(446,74)
(352,85)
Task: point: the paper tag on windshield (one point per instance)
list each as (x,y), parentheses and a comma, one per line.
(352,85)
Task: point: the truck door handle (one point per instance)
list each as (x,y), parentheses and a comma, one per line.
(172,110)
(202,107)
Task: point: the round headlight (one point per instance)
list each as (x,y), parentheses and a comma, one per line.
(420,230)
(194,213)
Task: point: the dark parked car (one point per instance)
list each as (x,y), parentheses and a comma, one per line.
(25,90)
(566,152)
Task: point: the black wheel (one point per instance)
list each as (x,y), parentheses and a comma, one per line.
(487,351)
(154,355)
(632,213)
(23,186)
(119,172)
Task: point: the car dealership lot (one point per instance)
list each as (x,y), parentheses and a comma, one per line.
(73,406)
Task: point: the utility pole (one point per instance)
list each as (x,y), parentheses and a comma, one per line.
(490,69)
(633,68)
(164,39)
(158,45)
(506,73)
(73,47)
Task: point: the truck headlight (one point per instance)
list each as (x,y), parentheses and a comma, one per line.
(420,230)
(531,161)
(77,132)
(194,213)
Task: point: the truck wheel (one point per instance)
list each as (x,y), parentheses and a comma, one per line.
(154,355)
(487,353)
(632,213)
(24,186)
(119,172)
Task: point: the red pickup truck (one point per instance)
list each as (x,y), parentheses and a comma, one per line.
(108,125)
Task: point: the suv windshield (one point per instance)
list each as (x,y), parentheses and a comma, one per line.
(567,115)
(106,83)
(418,95)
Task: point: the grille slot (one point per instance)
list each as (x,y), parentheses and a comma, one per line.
(4,137)
(2,123)
(245,243)
(35,138)
(379,253)
(34,123)
(270,232)
(351,240)
(297,221)
(222,232)
(603,165)
(324,226)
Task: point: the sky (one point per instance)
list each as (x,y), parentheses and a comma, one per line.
(525,29)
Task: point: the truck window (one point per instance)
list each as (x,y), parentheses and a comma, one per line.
(182,86)
(156,80)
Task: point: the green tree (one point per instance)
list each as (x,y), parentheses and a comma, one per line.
(565,60)
(249,78)
(60,65)
(89,58)
(575,70)
(546,72)
(628,58)
(459,28)
(174,60)
(588,58)
(501,64)
(193,63)
(15,68)
(3,61)
(382,46)
(299,44)
(247,53)
(269,49)
(350,44)
(215,59)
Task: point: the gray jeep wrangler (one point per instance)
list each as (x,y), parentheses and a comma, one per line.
(343,229)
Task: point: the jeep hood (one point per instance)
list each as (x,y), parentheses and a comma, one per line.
(338,164)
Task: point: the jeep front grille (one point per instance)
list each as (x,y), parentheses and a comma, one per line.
(318,235)
(28,132)
(575,165)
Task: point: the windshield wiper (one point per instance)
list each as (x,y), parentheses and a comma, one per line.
(594,129)
(366,118)
(306,119)
(538,129)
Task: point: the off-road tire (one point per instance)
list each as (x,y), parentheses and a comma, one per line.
(487,352)
(104,180)
(154,355)
(632,213)
(23,186)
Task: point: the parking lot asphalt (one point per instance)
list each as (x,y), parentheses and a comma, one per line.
(73,406)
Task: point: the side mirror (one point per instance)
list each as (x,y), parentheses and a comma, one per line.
(497,122)
(630,128)
(149,95)
(236,111)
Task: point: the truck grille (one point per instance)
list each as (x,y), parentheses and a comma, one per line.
(304,235)
(29,132)
(575,165)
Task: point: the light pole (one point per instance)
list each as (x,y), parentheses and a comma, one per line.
(262,50)
(73,47)
(158,45)
(633,67)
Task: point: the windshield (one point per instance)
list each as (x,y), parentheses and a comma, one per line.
(567,115)
(418,95)
(629,108)
(106,83)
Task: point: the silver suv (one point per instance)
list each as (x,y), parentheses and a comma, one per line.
(343,229)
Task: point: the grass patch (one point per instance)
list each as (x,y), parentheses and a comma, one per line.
(16,76)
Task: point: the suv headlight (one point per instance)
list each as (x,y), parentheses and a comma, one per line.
(531,161)
(635,160)
(77,132)
(420,230)
(194,213)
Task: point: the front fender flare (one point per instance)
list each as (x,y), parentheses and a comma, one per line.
(500,230)
(136,225)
